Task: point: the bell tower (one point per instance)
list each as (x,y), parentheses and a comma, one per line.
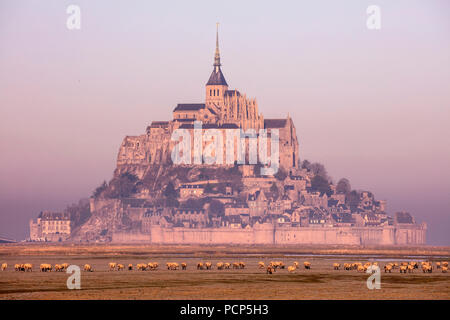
(216,85)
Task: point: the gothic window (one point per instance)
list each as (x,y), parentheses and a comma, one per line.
(218,92)
(210,92)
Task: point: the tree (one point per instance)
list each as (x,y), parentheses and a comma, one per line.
(320,184)
(281,174)
(208,188)
(122,186)
(343,186)
(319,170)
(273,188)
(306,164)
(79,213)
(274,191)
(216,208)
(352,200)
(169,191)
(98,191)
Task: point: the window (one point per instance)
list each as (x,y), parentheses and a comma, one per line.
(218,92)
(214,92)
(210,92)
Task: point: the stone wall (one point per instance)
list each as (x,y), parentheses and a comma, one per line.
(268,234)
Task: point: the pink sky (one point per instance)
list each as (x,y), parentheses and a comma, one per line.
(372,106)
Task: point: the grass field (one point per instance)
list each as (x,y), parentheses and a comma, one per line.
(321,282)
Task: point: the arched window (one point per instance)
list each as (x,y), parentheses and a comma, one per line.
(210,92)
(218,92)
(214,92)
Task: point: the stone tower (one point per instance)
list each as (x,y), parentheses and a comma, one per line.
(216,85)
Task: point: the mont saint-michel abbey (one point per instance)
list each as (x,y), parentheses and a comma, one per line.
(152,199)
(224,110)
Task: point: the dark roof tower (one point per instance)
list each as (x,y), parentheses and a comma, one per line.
(217,78)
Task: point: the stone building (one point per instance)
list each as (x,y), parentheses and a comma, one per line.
(224,110)
(50,226)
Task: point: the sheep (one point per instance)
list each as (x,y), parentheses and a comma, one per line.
(227,265)
(241,265)
(27,267)
(388,268)
(87,268)
(46,267)
(208,265)
(130,267)
(120,267)
(4,266)
(444,269)
(152,266)
(220,265)
(172,266)
(112,266)
(200,266)
(291,268)
(142,266)
(261,265)
(427,268)
(403,269)
(307,265)
(270,270)
(277,264)
(410,268)
(336,266)
(183,265)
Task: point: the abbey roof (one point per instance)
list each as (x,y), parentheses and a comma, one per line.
(189,107)
(217,78)
(274,123)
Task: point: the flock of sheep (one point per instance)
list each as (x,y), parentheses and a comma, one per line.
(403,267)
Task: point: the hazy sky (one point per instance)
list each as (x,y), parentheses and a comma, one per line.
(372,106)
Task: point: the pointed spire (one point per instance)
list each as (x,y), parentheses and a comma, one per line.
(217,54)
(217,77)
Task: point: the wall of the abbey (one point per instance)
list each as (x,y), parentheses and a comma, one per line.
(155,147)
(268,234)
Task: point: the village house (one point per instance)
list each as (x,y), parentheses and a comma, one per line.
(50,226)
(191,190)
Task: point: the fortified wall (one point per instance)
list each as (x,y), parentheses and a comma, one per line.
(269,234)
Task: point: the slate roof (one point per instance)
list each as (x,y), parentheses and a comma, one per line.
(159,124)
(189,107)
(47,215)
(403,217)
(217,78)
(210,126)
(275,123)
(232,93)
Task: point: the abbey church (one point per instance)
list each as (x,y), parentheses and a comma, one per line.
(223,109)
